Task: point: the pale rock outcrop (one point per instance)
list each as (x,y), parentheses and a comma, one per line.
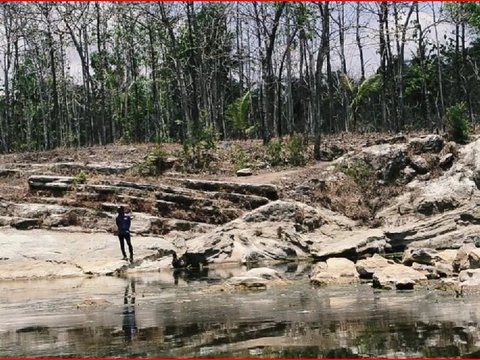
(279,230)
(432,143)
(367,267)
(334,271)
(469,281)
(421,256)
(419,164)
(351,244)
(461,261)
(397,276)
(474,258)
(428,270)
(456,189)
(283,230)
(42,254)
(253,279)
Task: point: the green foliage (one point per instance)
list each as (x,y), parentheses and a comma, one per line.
(347,84)
(458,128)
(80,178)
(416,74)
(197,150)
(465,12)
(237,113)
(274,153)
(358,170)
(239,158)
(368,88)
(154,163)
(296,150)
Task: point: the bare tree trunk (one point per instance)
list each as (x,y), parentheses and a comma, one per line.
(441,111)
(421,50)
(322,55)
(360,47)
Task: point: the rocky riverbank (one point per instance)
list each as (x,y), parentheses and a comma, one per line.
(416,196)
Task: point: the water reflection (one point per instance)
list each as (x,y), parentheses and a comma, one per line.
(188,275)
(152,317)
(129,321)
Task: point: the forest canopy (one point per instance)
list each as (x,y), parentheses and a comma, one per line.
(79,74)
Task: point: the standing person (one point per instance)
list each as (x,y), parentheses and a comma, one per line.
(123,224)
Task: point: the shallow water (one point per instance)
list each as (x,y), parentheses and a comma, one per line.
(154,315)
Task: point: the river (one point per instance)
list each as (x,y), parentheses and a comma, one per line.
(159,315)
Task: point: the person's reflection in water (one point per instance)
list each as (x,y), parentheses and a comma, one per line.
(129,322)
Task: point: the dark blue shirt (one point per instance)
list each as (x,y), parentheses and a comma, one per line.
(123,224)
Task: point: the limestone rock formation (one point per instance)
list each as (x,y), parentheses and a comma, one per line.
(338,271)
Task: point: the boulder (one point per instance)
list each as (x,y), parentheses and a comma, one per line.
(244,172)
(377,156)
(446,161)
(421,256)
(335,271)
(25,223)
(397,276)
(474,258)
(444,269)
(426,144)
(429,271)
(469,281)
(408,174)
(461,261)
(419,164)
(394,167)
(367,267)
(254,279)
(443,262)
(352,244)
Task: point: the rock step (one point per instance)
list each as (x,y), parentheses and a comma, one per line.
(51,183)
(167,225)
(183,201)
(181,195)
(74,168)
(86,196)
(53,201)
(10,172)
(108,192)
(207,214)
(50,179)
(133,203)
(264,190)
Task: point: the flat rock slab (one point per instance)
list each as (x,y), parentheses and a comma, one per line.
(335,271)
(42,253)
(397,276)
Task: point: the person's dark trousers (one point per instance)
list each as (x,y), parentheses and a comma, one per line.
(126,237)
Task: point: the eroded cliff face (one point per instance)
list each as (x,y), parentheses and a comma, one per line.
(395,195)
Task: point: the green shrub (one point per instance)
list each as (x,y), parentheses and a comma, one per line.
(358,170)
(197,150)
(239,158)
(80,178)
(154,163)
(458,128)
(237,114)
(274,153)
(296,150)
